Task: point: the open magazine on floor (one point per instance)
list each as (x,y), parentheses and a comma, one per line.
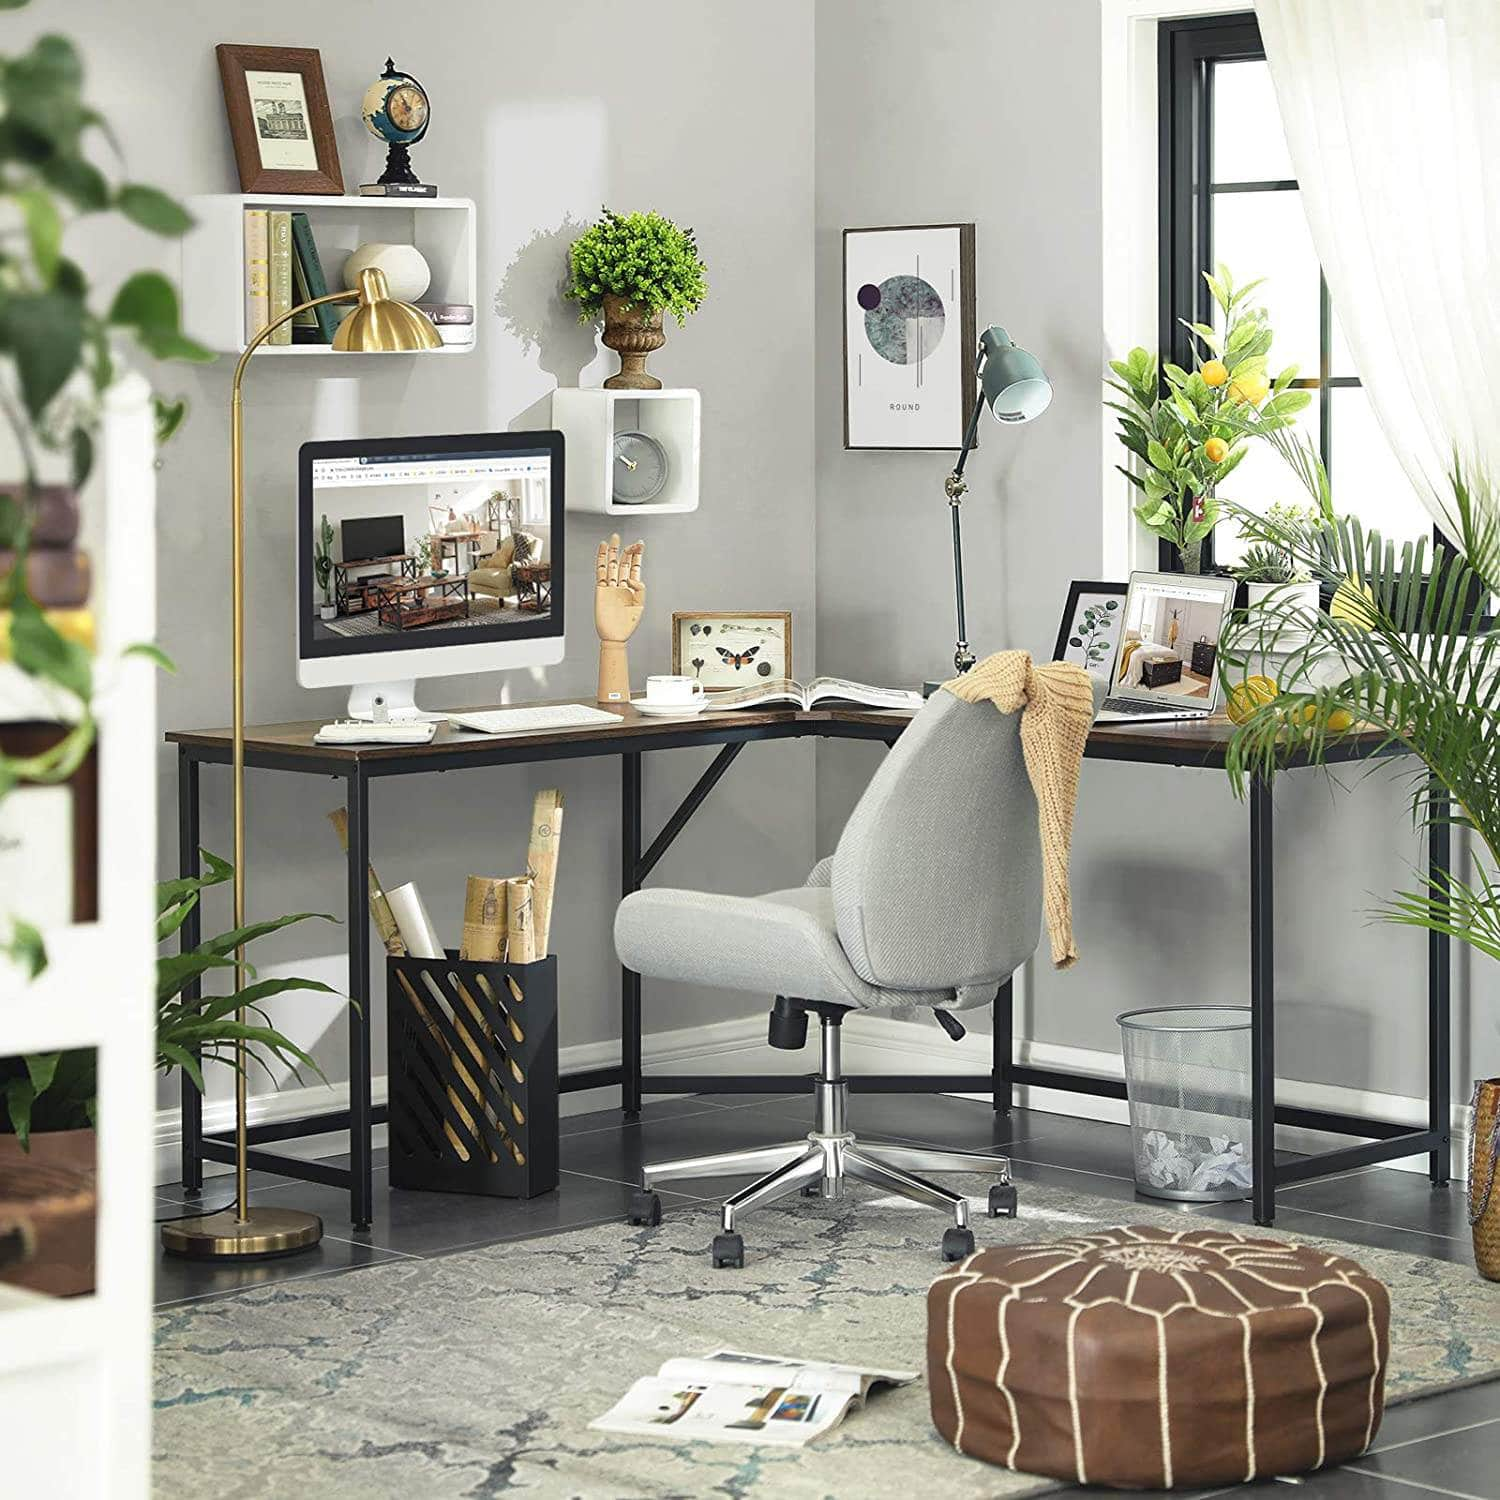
(730,1397)
(820,691)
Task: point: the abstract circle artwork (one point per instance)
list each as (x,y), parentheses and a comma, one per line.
(904,318)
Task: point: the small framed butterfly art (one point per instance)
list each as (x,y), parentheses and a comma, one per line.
(732,650)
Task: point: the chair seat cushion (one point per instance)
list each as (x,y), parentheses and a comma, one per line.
(1143,1358)
(782,943)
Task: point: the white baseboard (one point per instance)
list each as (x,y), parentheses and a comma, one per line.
(873,1044)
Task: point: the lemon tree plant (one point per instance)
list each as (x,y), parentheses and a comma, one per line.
(1185,438)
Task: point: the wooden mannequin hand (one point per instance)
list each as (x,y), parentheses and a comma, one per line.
(619,600)
(619,595)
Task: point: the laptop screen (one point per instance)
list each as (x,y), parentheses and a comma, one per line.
(1167,616)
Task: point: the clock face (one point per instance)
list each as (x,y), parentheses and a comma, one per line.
(407,107)
(639,471)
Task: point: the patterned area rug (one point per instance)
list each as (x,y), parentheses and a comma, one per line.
(477,1374)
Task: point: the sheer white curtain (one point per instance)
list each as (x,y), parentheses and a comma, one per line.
(1392,116)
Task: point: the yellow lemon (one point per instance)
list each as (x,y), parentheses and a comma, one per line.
(1353,603)
(1253,388)
(1338,720)
(1248,696)
(1214,372)
(1216,450)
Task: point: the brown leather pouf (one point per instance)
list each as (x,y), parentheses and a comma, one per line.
(1143,1359)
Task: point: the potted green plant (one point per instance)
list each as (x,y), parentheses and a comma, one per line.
(323,568)
(1407,650)
(1186,439)
(629,269)
(50,1099)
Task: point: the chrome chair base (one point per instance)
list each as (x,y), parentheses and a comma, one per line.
(823,1161)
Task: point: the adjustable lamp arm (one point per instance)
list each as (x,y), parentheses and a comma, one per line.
(954,487)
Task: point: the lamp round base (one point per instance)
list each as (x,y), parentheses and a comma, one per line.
(266,1232)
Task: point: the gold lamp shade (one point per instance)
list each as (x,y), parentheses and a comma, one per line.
(381,325)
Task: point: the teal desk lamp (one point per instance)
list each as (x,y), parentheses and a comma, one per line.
(1015,388)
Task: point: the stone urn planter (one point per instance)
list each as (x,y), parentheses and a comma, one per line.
(632,333)
(48,1197)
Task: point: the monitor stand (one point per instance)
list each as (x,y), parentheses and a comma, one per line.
(381,701)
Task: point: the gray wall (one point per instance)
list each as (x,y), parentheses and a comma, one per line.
(541,113)
(984,111)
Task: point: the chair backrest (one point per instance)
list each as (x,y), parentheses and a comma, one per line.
(937,878)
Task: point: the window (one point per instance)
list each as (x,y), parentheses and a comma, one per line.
(1228,193)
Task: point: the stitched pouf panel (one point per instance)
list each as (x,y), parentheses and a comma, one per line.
(1143,1359)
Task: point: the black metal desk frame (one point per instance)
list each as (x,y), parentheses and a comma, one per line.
(1381,1140)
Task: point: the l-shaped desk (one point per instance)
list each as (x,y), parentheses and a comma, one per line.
(290,748)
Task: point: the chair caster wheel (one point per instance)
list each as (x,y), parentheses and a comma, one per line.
(812,1190)
(729,1252)
(645,1207)
(958,1244)
(1003,1200)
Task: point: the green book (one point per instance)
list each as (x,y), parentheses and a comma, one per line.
(312,274)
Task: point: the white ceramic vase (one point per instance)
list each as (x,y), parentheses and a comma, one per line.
(407,273)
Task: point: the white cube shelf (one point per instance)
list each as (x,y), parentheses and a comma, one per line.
(589,420)
(213,256)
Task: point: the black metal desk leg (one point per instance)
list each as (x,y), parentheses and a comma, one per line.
(1002,1040)
(361,1185)
(630,981)
(190,934)
(1262,1005)
(1439,980)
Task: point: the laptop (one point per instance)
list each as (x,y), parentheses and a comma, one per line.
(1166,658)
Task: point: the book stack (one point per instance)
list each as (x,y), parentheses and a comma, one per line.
(57,570)
(454,321)
(283,270)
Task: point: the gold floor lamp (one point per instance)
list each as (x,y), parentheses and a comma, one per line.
(378,325)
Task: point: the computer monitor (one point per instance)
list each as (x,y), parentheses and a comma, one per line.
(441,555)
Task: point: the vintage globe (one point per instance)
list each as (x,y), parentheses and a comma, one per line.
(395,108)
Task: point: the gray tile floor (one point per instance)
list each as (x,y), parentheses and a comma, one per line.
(1448,1445)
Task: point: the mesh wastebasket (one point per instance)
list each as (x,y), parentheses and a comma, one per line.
(1187,1073)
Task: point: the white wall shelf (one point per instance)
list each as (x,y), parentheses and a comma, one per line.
(589,420)
(75,1372)
(213,256)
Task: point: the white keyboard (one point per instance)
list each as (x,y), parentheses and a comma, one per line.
(366,732)
(524,720)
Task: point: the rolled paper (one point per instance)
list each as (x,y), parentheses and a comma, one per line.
(484,920)
(520,943)
(541,861)
(380,908)
(413,923)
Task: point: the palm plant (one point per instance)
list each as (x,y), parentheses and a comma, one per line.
(56,1090)
(1405,650)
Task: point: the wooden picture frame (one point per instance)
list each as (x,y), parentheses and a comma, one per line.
(49,834)
(1087,653)
(921,402)
(279,119)
(758,649)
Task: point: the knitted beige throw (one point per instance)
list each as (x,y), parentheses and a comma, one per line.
(1056,703)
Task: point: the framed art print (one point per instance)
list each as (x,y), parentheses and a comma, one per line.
(729,650)
(909,336)
(279,119)
(1090,629)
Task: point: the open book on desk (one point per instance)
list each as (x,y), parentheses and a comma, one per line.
(820,692)
(729,1397)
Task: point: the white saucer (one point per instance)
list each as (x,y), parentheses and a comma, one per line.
(668,710)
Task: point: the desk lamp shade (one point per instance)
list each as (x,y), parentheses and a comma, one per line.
(1015,386)
(379,324)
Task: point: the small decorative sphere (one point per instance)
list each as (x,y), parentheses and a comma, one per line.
(406,270)
(868,297)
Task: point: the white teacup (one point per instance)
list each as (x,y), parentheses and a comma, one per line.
(674,692)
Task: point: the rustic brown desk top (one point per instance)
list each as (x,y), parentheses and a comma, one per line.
(1201,743)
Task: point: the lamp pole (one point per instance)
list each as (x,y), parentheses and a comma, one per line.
(955,487)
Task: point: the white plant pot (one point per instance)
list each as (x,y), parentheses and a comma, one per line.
(328,611)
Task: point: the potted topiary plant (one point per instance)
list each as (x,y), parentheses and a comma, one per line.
(629,269)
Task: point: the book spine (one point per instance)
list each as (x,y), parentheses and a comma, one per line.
(398,190)
(447,312)
(54,520)
(280,229)
(56,577)
(312,273)
(455,333)
(76,625)
(257,272)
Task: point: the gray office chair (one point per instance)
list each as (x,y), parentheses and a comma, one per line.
(932,899)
